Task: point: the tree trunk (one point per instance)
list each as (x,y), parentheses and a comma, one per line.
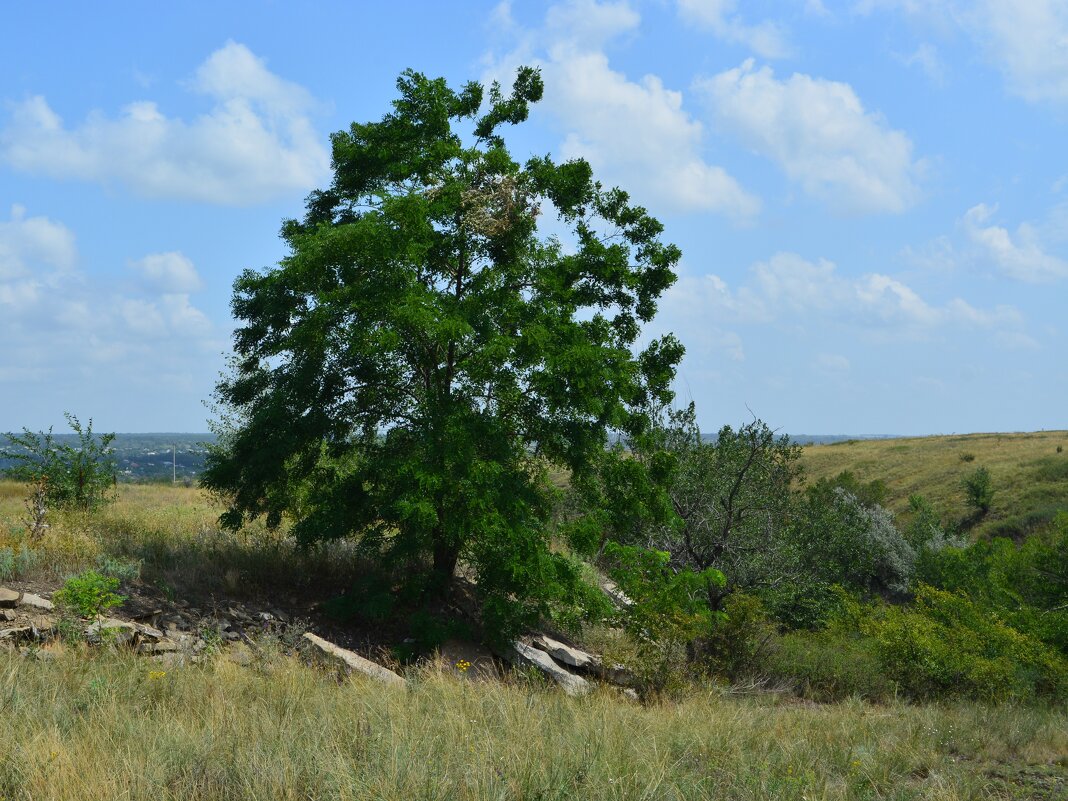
(445,558)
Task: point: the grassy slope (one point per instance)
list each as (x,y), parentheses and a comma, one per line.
(102,724)
(1029,476)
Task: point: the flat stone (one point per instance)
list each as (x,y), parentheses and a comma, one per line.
(18,633)
(352,661)
(566,654)
(36,601)
(529,655)
(9,599)
(123,632)
(7,614)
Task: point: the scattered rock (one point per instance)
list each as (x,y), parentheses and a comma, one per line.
(121,632)
(36,601)
(351,661)
(566,654)
(529,655)
(631,694)
(9,599)
(616,595)
(18,633)
(7,614)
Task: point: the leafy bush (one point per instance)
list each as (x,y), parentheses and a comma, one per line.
(737,645)
(78,476)
(979,490)
(948,645)
(89,594)
(849,543)
(829,665)
(669,615)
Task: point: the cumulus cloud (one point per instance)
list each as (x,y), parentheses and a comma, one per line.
(635,133)
(788,286)
(1021,256)
(1027,40)
(820,134)
(766,38)
(59,328)
(168,272)
(255,143)
(34,253)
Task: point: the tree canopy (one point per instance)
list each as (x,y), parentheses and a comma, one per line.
(408,373)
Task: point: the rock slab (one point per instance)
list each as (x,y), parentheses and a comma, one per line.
(566,654)
(352,661)
(570,683)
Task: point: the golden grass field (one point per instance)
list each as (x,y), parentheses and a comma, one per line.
(105,724)
(108,726)
(1029,475)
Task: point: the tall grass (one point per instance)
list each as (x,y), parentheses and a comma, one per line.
(106,725)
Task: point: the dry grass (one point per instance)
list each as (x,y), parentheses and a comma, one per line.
(104,726)
(1029,475)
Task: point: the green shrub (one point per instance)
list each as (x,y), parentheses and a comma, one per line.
(967,457)
(947,645)
(737,646)
(121,569)
(979,490)
(78,476)
(89,594)
(829,665)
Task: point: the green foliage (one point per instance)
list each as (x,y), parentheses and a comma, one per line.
(737,646)
(1025,584)
(406,373)
(80,476)
(89,594)
(829,665)
(946,645)
(869,493)
(15,562)
(669,615)
(120,569)
(845,542)
(979,490)
(723,504)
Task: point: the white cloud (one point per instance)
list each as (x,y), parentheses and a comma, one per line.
(926,58)
(820,134)
(635,133)
(56,325)
(255,143)
(1027,40)
(35,252)
(1020,256)
(767,38)
(168,272)
(790,287)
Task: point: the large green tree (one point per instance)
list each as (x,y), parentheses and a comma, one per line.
(407,374)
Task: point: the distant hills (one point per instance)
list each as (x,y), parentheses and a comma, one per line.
(149,457)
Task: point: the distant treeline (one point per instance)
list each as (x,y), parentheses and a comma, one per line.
(142,457)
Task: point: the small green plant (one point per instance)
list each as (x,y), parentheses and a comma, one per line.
(1060,449)
(80,476)
(89,594)
(967,457)
(980,490)
(121,569)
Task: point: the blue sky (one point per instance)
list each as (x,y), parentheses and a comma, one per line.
(871,197)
